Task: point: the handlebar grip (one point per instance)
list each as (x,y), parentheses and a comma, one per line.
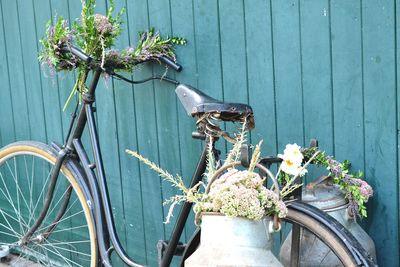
(170,62)
(78,53)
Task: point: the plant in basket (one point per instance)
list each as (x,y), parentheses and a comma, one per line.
(234,205)
(234,191)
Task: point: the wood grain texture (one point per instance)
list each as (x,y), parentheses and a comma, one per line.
(326,69)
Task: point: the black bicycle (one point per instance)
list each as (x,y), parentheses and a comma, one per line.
(55,207)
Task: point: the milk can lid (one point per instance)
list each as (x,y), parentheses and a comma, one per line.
(324,195)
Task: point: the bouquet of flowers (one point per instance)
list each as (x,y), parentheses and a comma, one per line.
(238,192)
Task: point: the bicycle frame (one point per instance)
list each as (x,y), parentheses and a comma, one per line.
(107,237)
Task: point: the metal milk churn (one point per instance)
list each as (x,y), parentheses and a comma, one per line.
(329,198)
(232,241)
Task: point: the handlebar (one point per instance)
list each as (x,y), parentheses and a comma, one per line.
(88,59)
(79,54)
(168,61)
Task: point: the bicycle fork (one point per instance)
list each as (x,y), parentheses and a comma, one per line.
(47,202)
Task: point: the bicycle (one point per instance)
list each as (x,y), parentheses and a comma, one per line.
(71,223)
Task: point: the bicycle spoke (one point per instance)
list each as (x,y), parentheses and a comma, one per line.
(11,228)
(8,196)
(39,197)
(58,202)
(68,250)
(57,222)
(71,242)
(69,229)
(61,256)
(30,186)
(4,233)
(13,218)
(19,191)
(11,203)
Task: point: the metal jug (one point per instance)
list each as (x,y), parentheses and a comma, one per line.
(233,241)
(329,198)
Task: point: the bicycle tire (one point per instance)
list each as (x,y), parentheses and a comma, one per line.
(337,238)
(24,173)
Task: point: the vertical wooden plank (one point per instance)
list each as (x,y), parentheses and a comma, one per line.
(208,52)
(233,50)
(316,72)
(260,64)
(183,25)
(144,101)
(7,118)
(378,24)
(15,64)
(397,35)
(65,80)
(288,86)
(32,70)
(208,47)
(233,54)
(166,112)
(347,81)
(127,138)
(50,91)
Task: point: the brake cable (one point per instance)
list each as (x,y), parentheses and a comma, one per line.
(161,78)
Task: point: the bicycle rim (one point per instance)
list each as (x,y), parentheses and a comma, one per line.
(24,175)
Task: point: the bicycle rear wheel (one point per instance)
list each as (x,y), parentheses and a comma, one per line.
(339,242)
(25,169)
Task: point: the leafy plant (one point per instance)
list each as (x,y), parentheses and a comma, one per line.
(357,191)
(229,190)
(95,34)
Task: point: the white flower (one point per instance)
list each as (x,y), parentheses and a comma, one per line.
(292,159)
(290,167)
(292,152)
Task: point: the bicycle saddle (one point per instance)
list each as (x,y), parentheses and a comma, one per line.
(197,103)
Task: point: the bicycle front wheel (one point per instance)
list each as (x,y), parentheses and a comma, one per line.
(66,236)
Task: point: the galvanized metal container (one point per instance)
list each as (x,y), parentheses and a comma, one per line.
(313,252)
(227,241)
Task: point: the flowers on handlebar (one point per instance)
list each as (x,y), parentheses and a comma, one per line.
(95,34)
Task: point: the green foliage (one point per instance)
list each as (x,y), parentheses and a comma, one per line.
(234,153)
(95,34)
(151,46)
(57,36)
(356,190)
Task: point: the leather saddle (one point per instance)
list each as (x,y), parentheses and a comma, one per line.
(197,103)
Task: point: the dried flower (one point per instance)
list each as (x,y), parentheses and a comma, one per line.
(242,194)
(103,25)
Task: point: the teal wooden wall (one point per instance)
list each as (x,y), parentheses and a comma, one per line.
(309,68)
